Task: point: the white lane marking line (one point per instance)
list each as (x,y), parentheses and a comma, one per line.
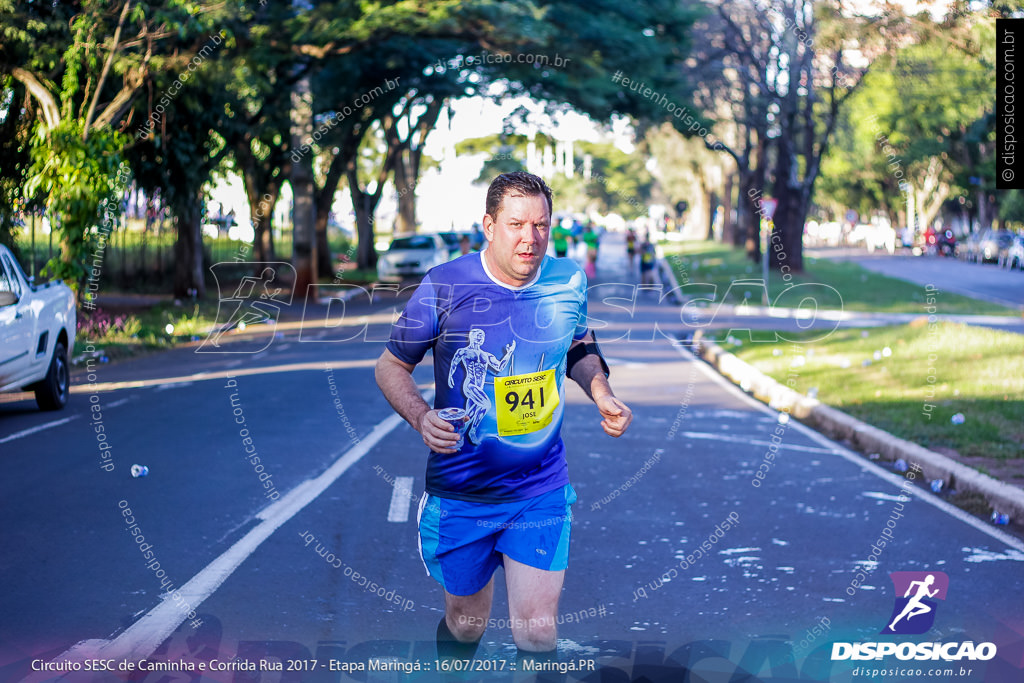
(625,363)
(754,442)
(222,374)
(172,385)
(855,458)
(143,637)
(722,414)
(401,497)
(56,423)
(38,428)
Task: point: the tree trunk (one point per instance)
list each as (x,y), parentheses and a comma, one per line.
(323,248)
(406,220)
(934,191)
(262,189)
(728,228)
(303,188)
(755,182)
(324,202)
(366,253)
(787,237)
(751,189)
(985,216)
(406,157)
(928,206)
(711,199)
(261,208)
(365,205)
(188,250)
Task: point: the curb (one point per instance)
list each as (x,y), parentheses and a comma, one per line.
(836,424)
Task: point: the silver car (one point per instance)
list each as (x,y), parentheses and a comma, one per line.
(411,255)
(1013,256)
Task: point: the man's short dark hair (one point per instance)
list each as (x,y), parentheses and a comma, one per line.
(515,183)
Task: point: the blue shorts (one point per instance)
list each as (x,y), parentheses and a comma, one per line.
(463,543)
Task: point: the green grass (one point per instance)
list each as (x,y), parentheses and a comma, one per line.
(121,335)
(955,368)
(350,276)
(131,333)
(859,289)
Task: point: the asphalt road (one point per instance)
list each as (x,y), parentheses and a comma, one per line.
(980,281)
(281,578)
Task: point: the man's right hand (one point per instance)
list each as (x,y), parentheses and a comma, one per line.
(438,434)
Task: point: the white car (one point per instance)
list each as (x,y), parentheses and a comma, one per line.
(37,328)
(1013,257)
(412,255)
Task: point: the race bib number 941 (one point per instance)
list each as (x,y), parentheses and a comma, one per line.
(525,403)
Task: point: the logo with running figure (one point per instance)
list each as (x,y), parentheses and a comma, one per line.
(477,363)
(256,299)
(914,612)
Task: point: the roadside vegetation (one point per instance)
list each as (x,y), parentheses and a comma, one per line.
(859,289)
(952,388)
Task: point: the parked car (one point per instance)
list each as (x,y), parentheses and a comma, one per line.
(411,255)
(1013,257)
(874,237)
(968,248)
(991,243)
(37,329)
(823,234)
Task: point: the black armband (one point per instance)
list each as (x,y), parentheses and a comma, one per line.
(581,351)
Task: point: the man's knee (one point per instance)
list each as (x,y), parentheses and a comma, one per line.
(536,634)
(466,627)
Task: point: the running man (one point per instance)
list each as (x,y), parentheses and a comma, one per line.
(648,261)
(915,607)
(503,498)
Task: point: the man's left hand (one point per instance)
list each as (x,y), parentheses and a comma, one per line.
(616,414)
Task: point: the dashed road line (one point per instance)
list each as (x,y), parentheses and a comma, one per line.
(401,498)
(38,428)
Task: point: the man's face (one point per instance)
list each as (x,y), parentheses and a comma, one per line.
(518,238)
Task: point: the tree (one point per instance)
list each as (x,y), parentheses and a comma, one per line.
(922,126)
(338,32)
(177,158)
(258,92)
(785,71)
(686,170)
(617,183)
(16,119)
(506,152)
(83,64)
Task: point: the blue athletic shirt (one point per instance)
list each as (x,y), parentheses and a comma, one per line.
(503,351)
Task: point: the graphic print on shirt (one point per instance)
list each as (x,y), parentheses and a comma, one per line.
(477,363)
